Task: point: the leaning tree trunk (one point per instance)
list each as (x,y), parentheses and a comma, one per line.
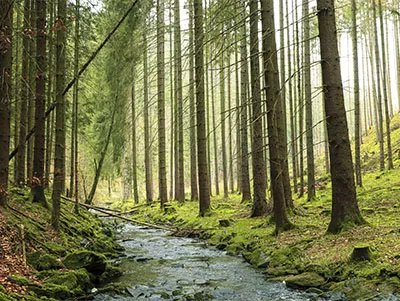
(38,159)
(345,211)
(59,157)
(275,113)
(204,188)
(259,176)
(5,93)
(162,172)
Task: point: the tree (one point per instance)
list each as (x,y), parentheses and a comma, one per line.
(38,159)
(179,101)
(259,177)
(244,83)
(134,153)
(59,155)
(162,172)
(194,195)
(223,138)
(345,209)
(308,104)
(356,94)
(147,155)
(204,188)
(275,118)
(5,93)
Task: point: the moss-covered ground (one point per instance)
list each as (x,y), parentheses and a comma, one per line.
(59,265)
(308,249)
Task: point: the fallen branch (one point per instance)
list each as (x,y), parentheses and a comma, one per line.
(121,217)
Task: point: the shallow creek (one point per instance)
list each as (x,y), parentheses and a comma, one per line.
(159,267)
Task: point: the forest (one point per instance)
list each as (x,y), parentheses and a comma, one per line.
(268,130)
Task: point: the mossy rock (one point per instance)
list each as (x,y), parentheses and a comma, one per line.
(55,291)
(42,262)
(110,273)
(281,271)
(77,280)
(305,280)
(93,262)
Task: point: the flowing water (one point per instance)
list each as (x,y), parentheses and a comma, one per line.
(159,267)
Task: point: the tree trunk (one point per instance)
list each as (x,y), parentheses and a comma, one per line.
(259,177)
(194,195)
(200,107)
(134,164)
(223,138)
(147,154)
(230,128)
(308,104)
(244,83)
(356,94)
(275,118)
(214,133)
(345,211)
(16,109)
(59,157)
(162,172)
(385,88)
(238,153)
(24,97)
(38,160)
(171,98)
(397,44)
(5,93)
(378,84)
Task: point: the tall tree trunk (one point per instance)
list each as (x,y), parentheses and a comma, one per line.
(397,44)
(345,211)
(230,128)
(214,132)
(194,195)
(5,93)
(223,138)
(16,109)
(385,88)
(59,157)
(171,97)
(76,105)
(134,164)
(291,109)
(378,84)
(238,153)
(356,94)
(162,172)
(308,104)
(179,100)
(244,83)
(204,188)
(285,155)
(275,118)
(259,177)
(50,97)
(38,160)
(147,154)
(24,96)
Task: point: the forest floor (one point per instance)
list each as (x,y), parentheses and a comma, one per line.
(37,262)
(307,257)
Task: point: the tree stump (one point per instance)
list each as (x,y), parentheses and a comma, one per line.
(361,252)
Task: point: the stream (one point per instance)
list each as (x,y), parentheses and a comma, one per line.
(159,267)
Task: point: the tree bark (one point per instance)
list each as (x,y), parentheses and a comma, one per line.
(345,211)
(223,137)
(134,164)
(275,118)
(204,188)
(38,160)
(162,172)
(59,155)
(259,177)
(5,93)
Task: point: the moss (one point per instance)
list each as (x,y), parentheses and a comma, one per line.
(4,297)
(17,279)
(110,274)
(58,292)
(55,248)
(305,280)
(41,261)
(94,263)
(1,288)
